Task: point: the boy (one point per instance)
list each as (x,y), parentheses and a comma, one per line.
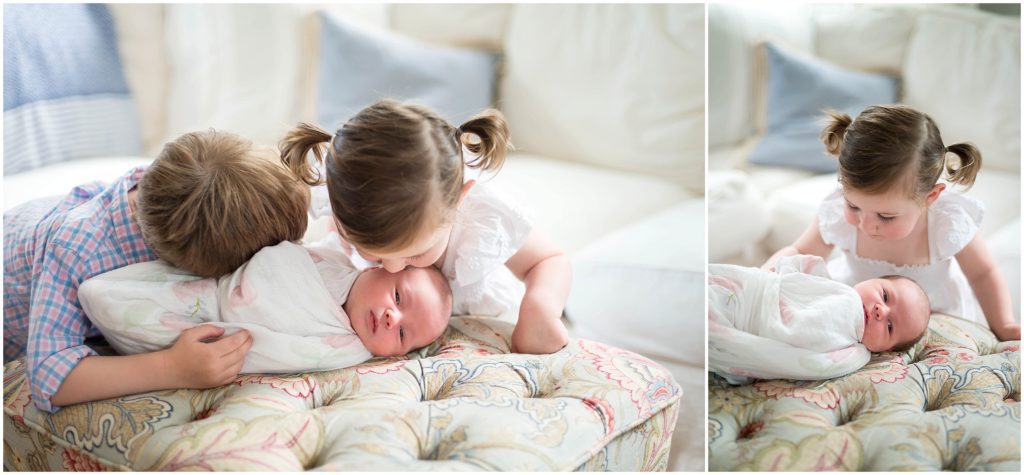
(206,194)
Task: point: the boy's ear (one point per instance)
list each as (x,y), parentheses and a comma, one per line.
(465,189)
(934,194)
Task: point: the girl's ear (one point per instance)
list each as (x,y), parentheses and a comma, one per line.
(934,194)
(465,190)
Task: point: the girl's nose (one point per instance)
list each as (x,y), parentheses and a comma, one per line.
(393,266)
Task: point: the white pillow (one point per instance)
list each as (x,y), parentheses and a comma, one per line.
(620,86)
(963,69)
(60,178)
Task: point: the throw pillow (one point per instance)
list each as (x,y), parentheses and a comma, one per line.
(359,65)
(65,96)
(797,89)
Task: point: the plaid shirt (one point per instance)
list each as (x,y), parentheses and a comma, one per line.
(51,245)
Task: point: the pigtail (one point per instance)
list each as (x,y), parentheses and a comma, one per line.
(486,135)
(297,144)
(966,171)
(834,131)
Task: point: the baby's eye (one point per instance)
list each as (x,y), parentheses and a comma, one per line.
(885,296)
(889,326)
(401,333)
(886,218)
(397,297)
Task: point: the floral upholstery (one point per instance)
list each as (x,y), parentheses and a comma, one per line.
(462,403)
(950,403)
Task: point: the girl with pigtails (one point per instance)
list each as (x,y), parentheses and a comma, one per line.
(396,186)
(891,215)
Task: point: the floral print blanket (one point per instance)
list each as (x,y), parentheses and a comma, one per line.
(950,403)
(462,403)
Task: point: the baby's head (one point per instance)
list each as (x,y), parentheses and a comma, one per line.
(395,313)
(890,160)
(210,200)
(394,174)
(896,313)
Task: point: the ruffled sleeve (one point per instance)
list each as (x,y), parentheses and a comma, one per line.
(319,201)
(953,220)
(832,225)
(489,229)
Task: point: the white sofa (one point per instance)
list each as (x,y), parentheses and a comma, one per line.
(609,139)
(958,64)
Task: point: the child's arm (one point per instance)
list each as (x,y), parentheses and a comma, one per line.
(190,363)
(546,271)
(989,287)
(810,242)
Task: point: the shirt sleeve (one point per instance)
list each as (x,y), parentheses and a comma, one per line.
(57,324)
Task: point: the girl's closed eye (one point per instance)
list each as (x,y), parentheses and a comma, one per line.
(851,206)
(886,218)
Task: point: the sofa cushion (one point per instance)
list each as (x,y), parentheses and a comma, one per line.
(733,32)
(576,204)
(633,102)
(65,95)
(864,37)
(467,25)
(797,88)
(963,69)
(737,214)
(360,64)
(60,178)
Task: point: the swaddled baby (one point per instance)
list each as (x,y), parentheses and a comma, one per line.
(307,307)
(797,323)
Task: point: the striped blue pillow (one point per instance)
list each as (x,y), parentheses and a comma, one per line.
(65,96)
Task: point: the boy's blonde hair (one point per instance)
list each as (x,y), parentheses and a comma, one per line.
(210,200)
(394,169)
(896,147)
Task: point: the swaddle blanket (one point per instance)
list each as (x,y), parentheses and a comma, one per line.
(794,323)
(279,296)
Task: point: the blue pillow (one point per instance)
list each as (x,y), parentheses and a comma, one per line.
(798,89)
(358,66)
(65,96)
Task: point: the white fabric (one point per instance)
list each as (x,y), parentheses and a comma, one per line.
(60,178)
(466,25)
(733,31)
(575,204)
(794,323)
(737,215)
(489,229)
(963,69)
(140,33)
(1005,246)
(633,102)
(953,220)
(279,296)
(864,37)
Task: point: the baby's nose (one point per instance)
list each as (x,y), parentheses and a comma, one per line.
(392,318)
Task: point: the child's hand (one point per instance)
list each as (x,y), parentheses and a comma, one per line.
(194,363)
(1008,332)
(539,336)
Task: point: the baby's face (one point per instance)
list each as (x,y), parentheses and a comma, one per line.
(395,313)
(895,312)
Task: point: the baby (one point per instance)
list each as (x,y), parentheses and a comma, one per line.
(797,323)
(307,307)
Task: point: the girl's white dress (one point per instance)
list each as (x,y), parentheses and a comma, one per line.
(794,323)
(489,229)
(953,220)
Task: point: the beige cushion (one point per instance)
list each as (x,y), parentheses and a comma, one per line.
(963,69)
(468,25)
(576,204)
(634,101)
(140,41)
(864,37)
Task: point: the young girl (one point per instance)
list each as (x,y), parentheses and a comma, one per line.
(395,183)
(797,323)
(890,215)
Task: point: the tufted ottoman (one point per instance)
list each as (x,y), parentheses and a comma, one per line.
(462,403)
(939,406)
